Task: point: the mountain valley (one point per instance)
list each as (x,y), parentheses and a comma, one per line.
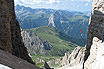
(68,22)
(51,33)
(49,38)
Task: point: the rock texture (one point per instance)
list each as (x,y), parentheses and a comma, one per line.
(56,62)
(76,57)
(14,62)
(96,57)
(35,44)
(5,33)
(94,48)
(10,34)
(74,60)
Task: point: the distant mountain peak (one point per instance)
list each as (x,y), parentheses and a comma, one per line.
(57,12)
(56,19)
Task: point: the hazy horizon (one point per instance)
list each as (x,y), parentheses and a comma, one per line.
(69,5)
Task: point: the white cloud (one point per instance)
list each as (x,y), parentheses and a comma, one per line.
(77,5)
(16,0)
(89,0)
(86,0)
(37,1)
(50,2)
(86,4)
(72,0)
(58,1)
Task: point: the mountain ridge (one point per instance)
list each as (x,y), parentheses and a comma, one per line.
(67,23)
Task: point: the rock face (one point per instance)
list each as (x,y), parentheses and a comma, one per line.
(56,19)
(94,48)
(10,34)
(5,33)
(13,62)
(74,60)
(96,57)
(35,44)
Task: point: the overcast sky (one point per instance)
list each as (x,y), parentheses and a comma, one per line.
(74,5)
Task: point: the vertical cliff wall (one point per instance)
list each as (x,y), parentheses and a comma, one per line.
(10,34)
(95,45)
(5,33)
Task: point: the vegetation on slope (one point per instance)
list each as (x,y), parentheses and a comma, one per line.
(61,43)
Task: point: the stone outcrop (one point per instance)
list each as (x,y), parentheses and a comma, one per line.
(14,62)
(65,60)
(94,48)
(76,57)
(10,34)
(57,62)
(35,44)
(96,57)
(74,60)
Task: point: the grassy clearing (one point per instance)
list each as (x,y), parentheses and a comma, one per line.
(61,43)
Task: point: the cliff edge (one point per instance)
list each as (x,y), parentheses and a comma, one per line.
(10,34)
(94,53)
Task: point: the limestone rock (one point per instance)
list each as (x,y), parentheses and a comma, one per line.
(96,57)
(35,44)
(65,60)
(74,60)
(96,25)
(13,62)
(5,32)
(56,19)
(10,34)
(56,61)
(94,48)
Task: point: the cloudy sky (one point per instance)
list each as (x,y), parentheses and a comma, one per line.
(74,5)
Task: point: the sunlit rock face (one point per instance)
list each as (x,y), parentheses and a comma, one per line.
(76,57)
(95,46)
(35,44)
(96,57)
(74,60)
